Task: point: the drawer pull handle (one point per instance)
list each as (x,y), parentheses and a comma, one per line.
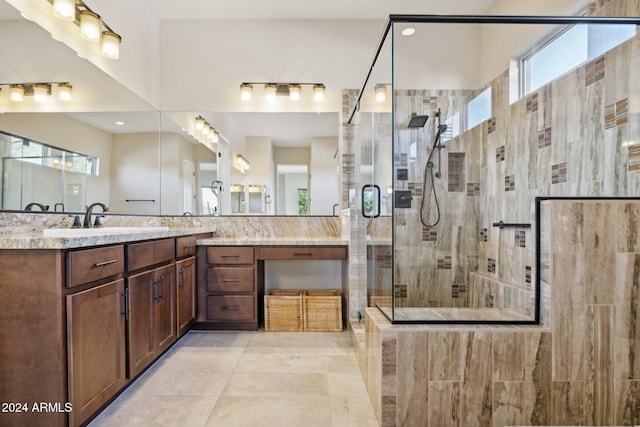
(230,280)
(230,256)
(231,308)
(302,254)
(189,246)
(103,263)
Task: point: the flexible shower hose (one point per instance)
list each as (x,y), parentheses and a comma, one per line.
(429,168)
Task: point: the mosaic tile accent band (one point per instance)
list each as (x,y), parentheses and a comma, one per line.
(559,173)
(509,183)
(456,173)
(473,188)
(544,138)
(444,263)
(616,114)
(532,103)
(520,239)
(491,265)
(491,125)
(500,153)
(594,71)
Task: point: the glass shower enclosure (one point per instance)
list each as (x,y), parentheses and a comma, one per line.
(461,123)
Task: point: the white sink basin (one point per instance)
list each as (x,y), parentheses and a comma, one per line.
(80,232)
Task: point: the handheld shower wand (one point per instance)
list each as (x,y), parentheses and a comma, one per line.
(429,167)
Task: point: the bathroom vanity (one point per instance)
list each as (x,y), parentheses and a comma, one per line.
(231,280)
(82,317)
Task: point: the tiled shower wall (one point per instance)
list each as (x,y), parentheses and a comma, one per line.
(577,136)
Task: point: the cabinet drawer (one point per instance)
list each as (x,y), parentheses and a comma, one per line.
(88,265)
(230,279)
(144,254)
(302,252)
(185,246)
(230,255)
(231,308)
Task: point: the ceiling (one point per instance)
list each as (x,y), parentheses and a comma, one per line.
(208,47)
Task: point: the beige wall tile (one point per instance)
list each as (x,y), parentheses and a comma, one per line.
(445,407)
(476,406)
(413,378)
(598,403)
(627,317)
(508,356)
(627,402)
(508,403)
(568,405)
(445,355)
(599,248)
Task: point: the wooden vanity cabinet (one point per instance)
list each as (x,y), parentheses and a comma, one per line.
(151,294)
(185,294)
(186,283)
(228,291)
(95,347)
(95,328)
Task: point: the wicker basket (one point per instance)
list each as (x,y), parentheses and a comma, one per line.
(322,311)
(283,310)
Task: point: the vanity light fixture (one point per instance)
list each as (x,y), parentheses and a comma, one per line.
(64,91)
(199,123)
(381,93)
(92,27)
(246,91)
(273,90)
(65,10)
(204,132)
(241,163)
(270,92)
(41,91)
(16,93)
(294,92)
(318,92)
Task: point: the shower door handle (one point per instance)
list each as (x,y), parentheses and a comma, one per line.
(375,200)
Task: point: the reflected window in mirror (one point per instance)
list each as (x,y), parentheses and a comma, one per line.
(36,174)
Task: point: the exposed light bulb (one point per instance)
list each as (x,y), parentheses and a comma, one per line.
(318,92)
(16,93)
(246,91)
(65,10)
(40,93)
(270,92)
(111,44)
(199,123)
(90,26)
(294,92)
(381,93)
(64,92)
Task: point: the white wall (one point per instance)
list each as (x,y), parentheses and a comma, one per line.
(173,150)
(324,189)
(289,185)
(499,43)
(259,153)
(135,173)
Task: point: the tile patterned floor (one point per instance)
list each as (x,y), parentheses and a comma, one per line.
(229,379)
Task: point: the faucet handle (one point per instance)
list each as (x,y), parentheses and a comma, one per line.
(97,222)
(76,222)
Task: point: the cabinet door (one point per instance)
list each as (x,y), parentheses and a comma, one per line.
(186,294)
(142,305)
(165,322)
(96,347)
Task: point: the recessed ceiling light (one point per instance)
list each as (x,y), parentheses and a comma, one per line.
(119,123)
(408,31)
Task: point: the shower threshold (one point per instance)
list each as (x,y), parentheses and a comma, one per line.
(457,315)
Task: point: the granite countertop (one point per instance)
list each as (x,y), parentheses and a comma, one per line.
(274,241)
(36,239)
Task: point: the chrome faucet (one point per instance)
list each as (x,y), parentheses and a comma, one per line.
(40,205)
(87,215)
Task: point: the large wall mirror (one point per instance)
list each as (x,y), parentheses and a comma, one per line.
(145,161)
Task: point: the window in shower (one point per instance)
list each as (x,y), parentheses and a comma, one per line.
(479,109)
(568,48)
(453,127)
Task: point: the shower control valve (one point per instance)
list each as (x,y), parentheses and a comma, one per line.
(402,199)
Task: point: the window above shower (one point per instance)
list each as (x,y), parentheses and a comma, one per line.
(566,48)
